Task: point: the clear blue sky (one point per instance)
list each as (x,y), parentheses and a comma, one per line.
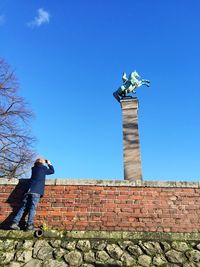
(69,56)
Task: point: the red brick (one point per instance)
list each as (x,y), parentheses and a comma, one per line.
(113,208)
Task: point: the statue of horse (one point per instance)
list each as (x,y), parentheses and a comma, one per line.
(129,85)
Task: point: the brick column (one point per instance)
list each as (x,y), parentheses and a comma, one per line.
(132,161)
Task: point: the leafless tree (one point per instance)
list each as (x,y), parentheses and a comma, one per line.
(16,142)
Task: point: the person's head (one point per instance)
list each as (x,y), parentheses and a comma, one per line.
(40,161)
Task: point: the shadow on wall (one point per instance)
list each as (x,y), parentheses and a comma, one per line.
(14,201)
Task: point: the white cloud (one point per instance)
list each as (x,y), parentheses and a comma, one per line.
(2,19)
(41,18)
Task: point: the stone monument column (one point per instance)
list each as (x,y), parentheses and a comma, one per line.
(132,161)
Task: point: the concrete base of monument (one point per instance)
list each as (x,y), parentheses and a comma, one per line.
(131,142)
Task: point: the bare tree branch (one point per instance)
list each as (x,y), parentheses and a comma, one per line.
(16,152)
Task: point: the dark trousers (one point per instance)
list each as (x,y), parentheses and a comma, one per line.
(29,203)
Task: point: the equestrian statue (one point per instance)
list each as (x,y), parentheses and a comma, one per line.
(129,85)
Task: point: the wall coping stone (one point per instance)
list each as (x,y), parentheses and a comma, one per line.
(121,235)
(114,183)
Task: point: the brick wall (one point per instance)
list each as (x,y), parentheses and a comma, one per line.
(110,205)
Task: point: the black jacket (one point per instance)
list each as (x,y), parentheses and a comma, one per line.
(37,181)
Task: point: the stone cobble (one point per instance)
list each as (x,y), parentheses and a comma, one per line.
(90,252)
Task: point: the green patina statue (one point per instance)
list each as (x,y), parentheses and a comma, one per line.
(129,85)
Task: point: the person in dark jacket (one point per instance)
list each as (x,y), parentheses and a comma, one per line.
(35,192)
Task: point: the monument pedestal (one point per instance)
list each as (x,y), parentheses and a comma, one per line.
(132,161)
